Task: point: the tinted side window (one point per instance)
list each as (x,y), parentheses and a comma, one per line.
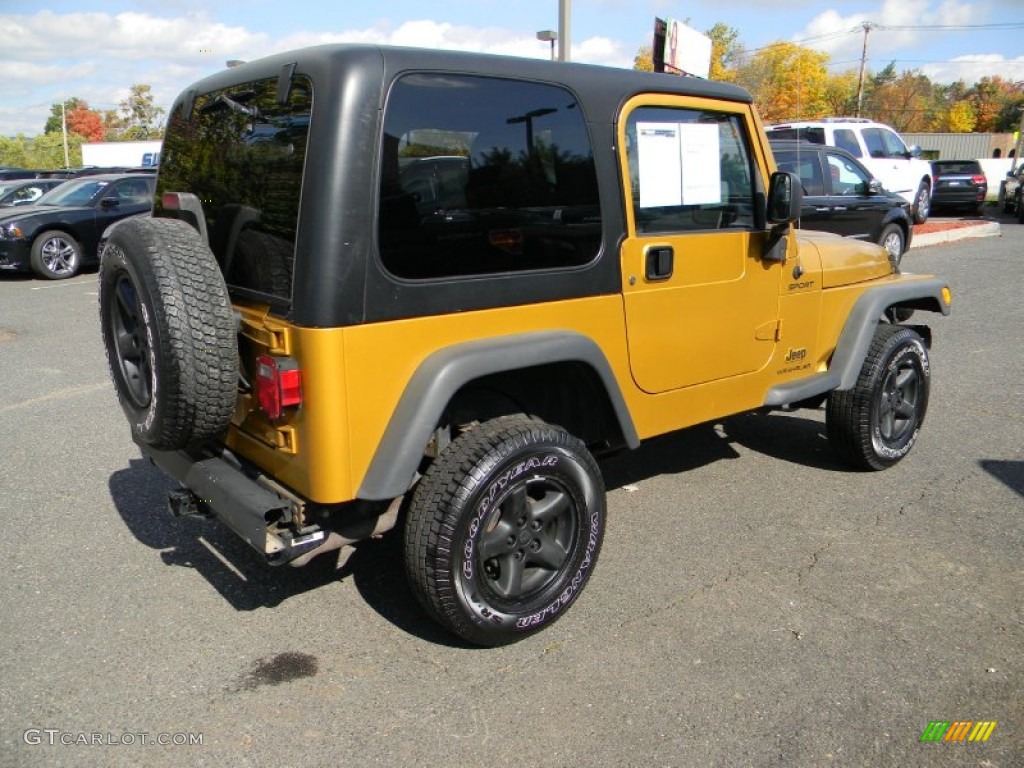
(894,146)
(690,169)
(242,154)
(807,166)
(847,139)
(482,175)
(882,142)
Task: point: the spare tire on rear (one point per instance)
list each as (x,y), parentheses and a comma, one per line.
(169,332)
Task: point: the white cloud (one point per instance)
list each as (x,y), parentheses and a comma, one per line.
(891,38)
(971,68)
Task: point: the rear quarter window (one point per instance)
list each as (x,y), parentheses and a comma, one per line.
(242,153)
(484,175)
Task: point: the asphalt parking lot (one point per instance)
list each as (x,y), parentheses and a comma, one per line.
(756,604)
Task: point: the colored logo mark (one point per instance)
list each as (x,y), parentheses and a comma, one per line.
(958,730)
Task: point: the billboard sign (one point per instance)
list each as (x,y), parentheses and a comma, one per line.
(685,50)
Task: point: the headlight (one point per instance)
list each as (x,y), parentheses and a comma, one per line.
(11,231)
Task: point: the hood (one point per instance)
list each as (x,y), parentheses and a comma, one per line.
(844,260)
(26,212)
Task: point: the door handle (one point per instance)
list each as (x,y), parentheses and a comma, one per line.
(659,262)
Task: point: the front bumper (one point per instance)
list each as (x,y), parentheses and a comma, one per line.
(15,255)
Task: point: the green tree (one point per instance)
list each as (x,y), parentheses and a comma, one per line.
(139,118)
(54,122)
(841,93)
(14,150)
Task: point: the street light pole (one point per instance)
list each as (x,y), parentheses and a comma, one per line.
(64,130)
(564,12)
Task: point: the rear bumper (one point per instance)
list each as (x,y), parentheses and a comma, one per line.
(221,486)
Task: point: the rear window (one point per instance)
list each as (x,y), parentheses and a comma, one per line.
(957,167)
(813,135)
(484,175)
(242,154)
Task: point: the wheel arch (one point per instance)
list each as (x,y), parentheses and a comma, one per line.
(858,331)
(531,372)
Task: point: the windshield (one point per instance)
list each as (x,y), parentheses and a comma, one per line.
(80,192)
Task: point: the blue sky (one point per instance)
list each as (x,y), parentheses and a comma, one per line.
(96,49)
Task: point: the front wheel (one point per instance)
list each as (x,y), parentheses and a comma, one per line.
(892,239)
(922,203)
(504,530)
(56,255)
(875,424)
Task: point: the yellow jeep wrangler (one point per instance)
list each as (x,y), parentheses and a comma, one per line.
(389,286)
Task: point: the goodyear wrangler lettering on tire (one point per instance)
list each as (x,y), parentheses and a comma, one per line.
(504,529)
(567,595)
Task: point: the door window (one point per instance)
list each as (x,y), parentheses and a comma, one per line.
(847,179)
(690,170)
(847,139)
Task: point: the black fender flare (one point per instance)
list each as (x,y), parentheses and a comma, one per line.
(926,294)
(440,376)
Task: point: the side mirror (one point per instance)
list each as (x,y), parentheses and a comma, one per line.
(913,151)
(785,198)
(109,202)
(874,187)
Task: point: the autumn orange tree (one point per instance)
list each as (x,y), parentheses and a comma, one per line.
(788,82)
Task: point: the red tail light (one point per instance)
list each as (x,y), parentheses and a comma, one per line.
(978,179)
(278,384)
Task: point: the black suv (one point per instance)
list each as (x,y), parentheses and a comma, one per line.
(841,196)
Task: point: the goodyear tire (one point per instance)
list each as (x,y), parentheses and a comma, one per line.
(504,530)
(169,332)
(875,424)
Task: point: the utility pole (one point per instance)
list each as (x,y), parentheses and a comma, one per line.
(564,12)
(64,130)
(867,25)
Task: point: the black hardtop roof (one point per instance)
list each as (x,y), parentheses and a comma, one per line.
(325,63)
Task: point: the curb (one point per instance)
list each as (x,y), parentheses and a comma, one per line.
(985,229)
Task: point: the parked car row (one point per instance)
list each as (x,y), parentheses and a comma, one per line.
(900,168)
(25,191)
(842,196)
(7,173)
(60,233)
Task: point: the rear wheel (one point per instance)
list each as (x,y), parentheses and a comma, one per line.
(169,332)
(922,203)
(504,529)
(876,423)
(56,255)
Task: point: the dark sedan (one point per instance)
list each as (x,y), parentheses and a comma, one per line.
(959,184)
(25,191)
(841,196)
(60,233)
